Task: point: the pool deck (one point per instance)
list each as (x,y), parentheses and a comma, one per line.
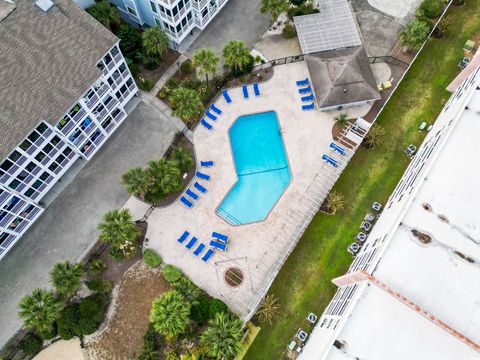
(256,248)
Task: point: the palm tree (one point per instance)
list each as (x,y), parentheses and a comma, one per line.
(268,309)
(66,277)
(155,41)
(341,119)
(170,315)
(106,14)
(117,229)
(335,202)
(223,337)
(165,176)
(236,55)
(137,181)
(183,158)
(274,7)
(206,60)
(189,290)
(375,136)
(39,310)
(186,103)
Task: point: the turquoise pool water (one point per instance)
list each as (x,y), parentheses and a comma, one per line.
(262,169)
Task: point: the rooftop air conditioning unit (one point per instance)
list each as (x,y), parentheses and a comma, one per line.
(376,206)
(353,248)
(302,335)
(312,318)
(44,5)
(361,236)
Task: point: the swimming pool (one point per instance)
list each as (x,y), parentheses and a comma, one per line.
(262,169)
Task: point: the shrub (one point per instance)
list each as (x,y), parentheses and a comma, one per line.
(431,8)
(302,10)
(171,84)
(151,258)
(145,84)
(171,355)
(31,345)
(217,306)
(96,267)
(297,2)
(200,312)
(130,42)
(186,67)
(82,318)
(289,31)
(414,34)
(150,345)
(91,311)
(188,289)
(222,339)
(134,68)
(268,310)
(172,274)
(100,286)
(67,323)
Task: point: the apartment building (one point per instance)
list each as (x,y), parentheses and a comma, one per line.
(178,18)
(412,290)
(64,86)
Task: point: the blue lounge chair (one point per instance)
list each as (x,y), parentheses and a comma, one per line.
(256,89)
(199,187)
(186,202)
(218,245)
(245,91)
(202,175)
(219,236)
(329,160)
(206,163)
(183,237)
(305,90)
(337,148)
(226,96)
(210,115)
(208,255)
(191,242)
(206,124)
(215,109)
(191,194)
(308,98)
(308,106)
(302,82)
(199,249)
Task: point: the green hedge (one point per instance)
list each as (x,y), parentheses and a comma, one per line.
(151,258)
(172,274)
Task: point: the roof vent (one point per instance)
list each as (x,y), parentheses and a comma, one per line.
(44,5)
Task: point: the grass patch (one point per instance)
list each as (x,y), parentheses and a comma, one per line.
(304,282)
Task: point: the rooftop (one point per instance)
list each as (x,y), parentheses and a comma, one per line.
(47,61)
(342,76)
(438,272)
(332,28)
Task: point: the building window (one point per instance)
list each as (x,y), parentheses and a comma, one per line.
(25,145)
(204,12)
(14,184)
(157,22)
(132,11)
(115,51)
(189,15)
(42,128)
(33,136)
(15,156)
(175,11)
(153,7)
(31,166)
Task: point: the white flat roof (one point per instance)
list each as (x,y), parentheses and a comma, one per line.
(332,28)
(441,276)
(383,328)
(435,276)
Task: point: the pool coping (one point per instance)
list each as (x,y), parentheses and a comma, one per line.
(236,172)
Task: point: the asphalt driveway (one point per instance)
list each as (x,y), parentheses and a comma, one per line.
(67,228)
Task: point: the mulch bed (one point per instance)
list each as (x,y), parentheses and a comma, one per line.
(169,58)
(123,338)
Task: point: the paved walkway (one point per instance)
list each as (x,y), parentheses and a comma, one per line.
(67,229)
(151,98)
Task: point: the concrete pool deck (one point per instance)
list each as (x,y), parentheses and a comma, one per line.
(257,249)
